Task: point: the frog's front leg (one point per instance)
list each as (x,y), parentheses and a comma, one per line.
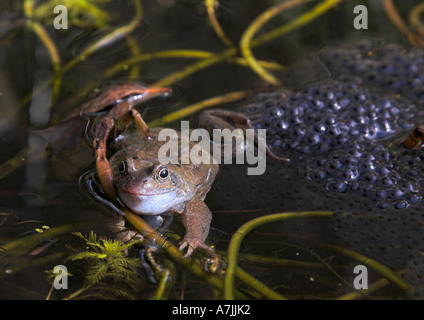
(103,168)
(196,219)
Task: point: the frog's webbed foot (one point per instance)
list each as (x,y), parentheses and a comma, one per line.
(196,219)
(226,119)
(191,245)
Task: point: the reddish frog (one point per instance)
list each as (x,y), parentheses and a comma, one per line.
(135,176)
(148,187)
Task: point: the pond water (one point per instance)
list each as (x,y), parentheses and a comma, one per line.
(41,199)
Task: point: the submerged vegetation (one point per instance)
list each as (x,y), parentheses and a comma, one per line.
(81,13)
(109,271)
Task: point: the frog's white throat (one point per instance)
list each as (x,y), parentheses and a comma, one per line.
(150,204)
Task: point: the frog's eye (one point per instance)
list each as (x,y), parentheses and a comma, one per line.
(163,173)
(123,166)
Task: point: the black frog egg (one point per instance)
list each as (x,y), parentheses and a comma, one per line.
(403,204)
(319,127)
(352,161)
(367,165)
(382,205)
(397,193)
(413,198)
(351,174)
(370,177)
(276,112)
(408,186)
(336,186)
(345,122)
(334,164)
(317,174)
(281,125)
(383,170)
(330,120)
(387,181)
(313,139)
(276,143)
(354,186)
(381,193)
(335,106)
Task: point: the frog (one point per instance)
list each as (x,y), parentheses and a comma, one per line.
(149,187)
(133,175)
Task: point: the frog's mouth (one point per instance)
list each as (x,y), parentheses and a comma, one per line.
(148,203)
(148,194)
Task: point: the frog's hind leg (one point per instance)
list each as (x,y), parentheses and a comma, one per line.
(140,124)
(124,113)
(227,119)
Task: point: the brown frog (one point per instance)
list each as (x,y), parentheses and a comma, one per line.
(148,187)
(134,175)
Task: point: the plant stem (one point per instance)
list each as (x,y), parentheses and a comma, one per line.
(253,29)
(234,246)
(415,18)
(181,113)
(49,44)
(300,21)
(110,38)
(375,265)
(210,7)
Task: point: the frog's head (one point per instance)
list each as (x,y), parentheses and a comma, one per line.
(149,188)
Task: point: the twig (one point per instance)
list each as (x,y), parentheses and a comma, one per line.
(210,6)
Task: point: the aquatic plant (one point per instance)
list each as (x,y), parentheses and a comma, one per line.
(81,13)
(110,273)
